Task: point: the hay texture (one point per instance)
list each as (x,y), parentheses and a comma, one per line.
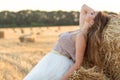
(110,53)
(110,49)
(88,74)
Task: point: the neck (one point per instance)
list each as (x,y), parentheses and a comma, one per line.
(84,29)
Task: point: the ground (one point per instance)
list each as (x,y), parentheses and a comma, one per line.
(18,58)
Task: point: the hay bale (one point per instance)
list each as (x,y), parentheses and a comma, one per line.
(22,30)
(2,34)
(27,38)
(88,74)
(110,53)
(111,49)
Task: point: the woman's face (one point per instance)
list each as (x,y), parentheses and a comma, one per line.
(89,17)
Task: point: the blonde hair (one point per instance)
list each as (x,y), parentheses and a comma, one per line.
(94,39)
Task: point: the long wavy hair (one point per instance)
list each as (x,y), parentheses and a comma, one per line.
(94,39)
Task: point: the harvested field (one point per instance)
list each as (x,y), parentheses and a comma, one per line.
(17,58)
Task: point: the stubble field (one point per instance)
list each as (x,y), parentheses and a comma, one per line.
(18,58)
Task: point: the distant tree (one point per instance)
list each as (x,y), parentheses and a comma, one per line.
(28,18)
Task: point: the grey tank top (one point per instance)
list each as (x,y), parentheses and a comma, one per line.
(66,44)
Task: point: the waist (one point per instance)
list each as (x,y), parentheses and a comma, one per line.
(58,53)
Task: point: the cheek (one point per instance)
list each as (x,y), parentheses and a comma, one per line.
(89,17)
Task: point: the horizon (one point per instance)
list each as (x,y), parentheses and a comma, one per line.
(53,11)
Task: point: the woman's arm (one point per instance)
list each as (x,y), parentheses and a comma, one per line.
(84,10)
(80,49)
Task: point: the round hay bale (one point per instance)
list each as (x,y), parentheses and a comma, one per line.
(109,52)
(2,34)
(27,38)
(110,49)
(22,30)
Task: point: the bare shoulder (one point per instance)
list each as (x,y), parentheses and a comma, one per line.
(81,36)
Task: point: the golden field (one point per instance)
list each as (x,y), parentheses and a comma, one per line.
(18,58)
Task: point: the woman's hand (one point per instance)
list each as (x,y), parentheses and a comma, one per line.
(71,70)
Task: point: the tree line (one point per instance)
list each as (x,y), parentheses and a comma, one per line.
(29,18)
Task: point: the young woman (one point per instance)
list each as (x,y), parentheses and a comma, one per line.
(67,55)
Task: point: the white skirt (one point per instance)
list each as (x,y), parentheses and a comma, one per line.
(52,67)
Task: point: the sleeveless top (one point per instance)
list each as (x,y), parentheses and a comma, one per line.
(66,44)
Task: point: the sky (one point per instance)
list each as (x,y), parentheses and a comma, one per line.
(53,5)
